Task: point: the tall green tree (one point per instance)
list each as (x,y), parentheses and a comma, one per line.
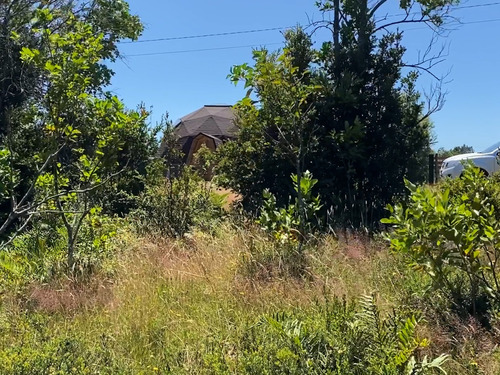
(85,138)
(23,84)
(286,116)
(35,91)
(371,125)
(375,123)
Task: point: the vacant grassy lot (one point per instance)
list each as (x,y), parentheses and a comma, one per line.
(207,304)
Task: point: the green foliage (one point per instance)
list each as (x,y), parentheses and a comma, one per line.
(340,339)
(178,307)
(281,126)
(489,188)
(173,206)
(40,254)
(284,223)
(6,174)
(68,138)
(455,238)
(170,152)
(464,149)
(45,355)
(87,136)
(345,112)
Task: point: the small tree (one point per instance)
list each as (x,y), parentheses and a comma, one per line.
(23,88)
(71,168)
(285,111)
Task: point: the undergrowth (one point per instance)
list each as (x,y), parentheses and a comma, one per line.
(193,306)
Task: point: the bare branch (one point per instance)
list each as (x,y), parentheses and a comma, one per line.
(417,66)
(17,232)
(435,99)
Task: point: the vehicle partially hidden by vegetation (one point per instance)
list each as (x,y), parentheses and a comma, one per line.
(488,161)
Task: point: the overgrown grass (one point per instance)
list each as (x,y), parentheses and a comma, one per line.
(192,306)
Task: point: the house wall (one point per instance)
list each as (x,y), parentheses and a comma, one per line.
(197,143)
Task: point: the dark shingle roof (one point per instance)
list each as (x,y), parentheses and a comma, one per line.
(214,120)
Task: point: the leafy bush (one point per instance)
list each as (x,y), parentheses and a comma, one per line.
(40,253)
(455,238)
(285,223)
(490,187)
(341,339)
(284,255)
(172,206)
(39,353)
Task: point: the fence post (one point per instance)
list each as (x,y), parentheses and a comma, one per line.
(437,166)
(432,169)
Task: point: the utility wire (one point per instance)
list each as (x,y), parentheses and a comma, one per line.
(206,35)
(476,5)
(478,21)
(196,50)
(451,10)
(459,23)
(279,28)
(270,44)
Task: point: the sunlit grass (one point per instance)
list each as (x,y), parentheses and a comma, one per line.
(169,304)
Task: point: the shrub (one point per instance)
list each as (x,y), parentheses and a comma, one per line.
(58,356)
(289,232)
(40,253)
(490,188)
(455,238)
(285,223)
(173,206)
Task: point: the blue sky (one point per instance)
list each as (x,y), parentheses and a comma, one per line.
(179,76)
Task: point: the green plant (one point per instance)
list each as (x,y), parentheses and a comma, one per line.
(285,224)
(81,130)
(346,111)
(461,186)
(40,253)
(453,238)
(341,338)
(173,206)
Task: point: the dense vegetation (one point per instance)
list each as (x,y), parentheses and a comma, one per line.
(113,261)
(339,111)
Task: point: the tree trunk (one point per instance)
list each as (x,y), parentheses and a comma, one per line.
(300,200)
(336,38)
(71,247)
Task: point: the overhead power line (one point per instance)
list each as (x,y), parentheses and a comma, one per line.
(206,35)
(198,50)
(451,9)
(479,21)
(280,28)
(477,5)
(268,44)
(458,23)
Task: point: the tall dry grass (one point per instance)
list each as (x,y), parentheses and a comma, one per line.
(170,302)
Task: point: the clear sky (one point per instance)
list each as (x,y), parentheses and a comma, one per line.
(179,76)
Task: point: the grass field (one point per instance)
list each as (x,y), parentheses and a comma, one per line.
(193,306)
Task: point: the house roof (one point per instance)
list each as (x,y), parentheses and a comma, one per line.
(213,120)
